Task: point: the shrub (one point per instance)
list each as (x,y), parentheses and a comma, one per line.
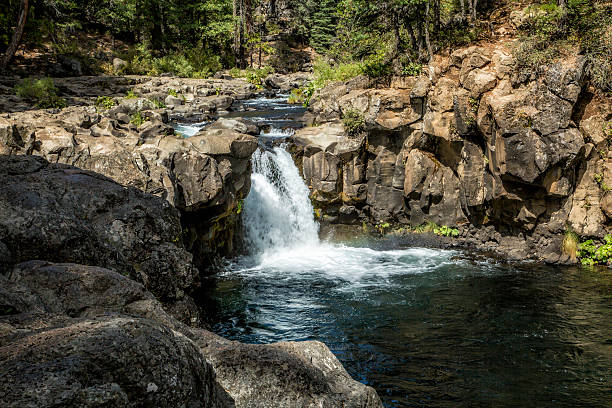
(377,66)
(158,104)
(187,63)
(131,95)
(138,119)
(571,244)
(429,226)
(590,254)
(325,73)
(105,102)
(412,69)
(446,231)
(173,92)
(41,91)
(353,121)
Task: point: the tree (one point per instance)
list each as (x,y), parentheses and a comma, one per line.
(16,39)
(323,23)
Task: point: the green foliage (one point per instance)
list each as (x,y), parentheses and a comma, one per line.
(138,119)
(40,91)
(187,63)
(105,102)
(377,65)
(173,92)
(353,121)
(130,95)
(157,103)
(571,244)
(599,179)
(590,254)
(428,226)
(239,206)
(323,24)
(325,73)
(446,231)
(553,32)
(412,69)
(382,227)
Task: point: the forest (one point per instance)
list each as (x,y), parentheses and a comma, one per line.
(199,38)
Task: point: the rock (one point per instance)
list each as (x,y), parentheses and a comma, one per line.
(478,82)
(606,205)
(292,374)
(237,125)
(119,65)
(63,214)
(173,101)
(171,371)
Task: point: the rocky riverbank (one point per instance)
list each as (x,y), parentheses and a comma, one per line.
(511,160)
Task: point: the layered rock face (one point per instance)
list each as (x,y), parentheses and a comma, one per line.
(478,146)
(97,334)
(205,176)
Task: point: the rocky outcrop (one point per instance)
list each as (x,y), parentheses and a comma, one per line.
(131,141)
(60,213)
(473,145)
(114,345)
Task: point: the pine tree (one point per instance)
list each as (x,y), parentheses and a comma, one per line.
(323,28)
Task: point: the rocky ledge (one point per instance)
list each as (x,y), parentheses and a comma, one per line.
(512,160)
(93,324)
(131,141)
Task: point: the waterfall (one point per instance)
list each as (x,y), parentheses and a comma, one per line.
(278,213)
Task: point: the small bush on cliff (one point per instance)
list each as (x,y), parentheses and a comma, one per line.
(412,69)
(138,119)
(40,91)
(353,121)
(446,231)
(571,244)
(325,73)
(105,102)
(553,31)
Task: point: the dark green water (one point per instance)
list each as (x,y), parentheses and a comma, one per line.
(428,328)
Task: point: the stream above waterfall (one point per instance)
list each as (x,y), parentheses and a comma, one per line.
(424,327)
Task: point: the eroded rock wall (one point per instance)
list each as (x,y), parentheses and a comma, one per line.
(471,144)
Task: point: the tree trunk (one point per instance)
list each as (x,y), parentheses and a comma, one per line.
(12,47)
(427,42)
(413,41)
(272,8)
(463,11)
(237,31)
(474,8)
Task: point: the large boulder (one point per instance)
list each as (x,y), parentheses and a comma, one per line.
(61,213)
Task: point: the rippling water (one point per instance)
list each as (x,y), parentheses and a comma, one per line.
(425,329)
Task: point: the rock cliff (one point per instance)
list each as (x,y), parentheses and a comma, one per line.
(513,161)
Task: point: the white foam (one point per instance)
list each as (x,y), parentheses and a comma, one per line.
(282,235)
